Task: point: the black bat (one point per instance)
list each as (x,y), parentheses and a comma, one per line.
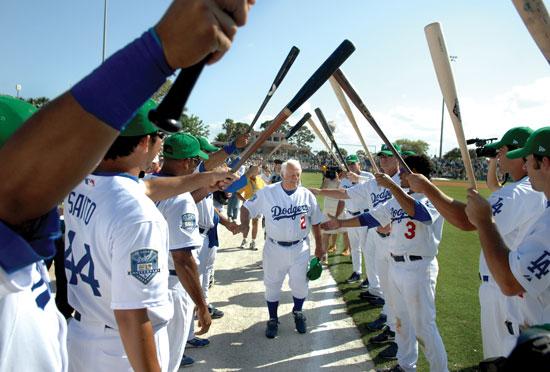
(330,136)
(167,114)
(294,51)
(319,77)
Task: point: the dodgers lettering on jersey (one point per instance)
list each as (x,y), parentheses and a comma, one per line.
(287,217)
(369,194)
(116,250)
(410,236)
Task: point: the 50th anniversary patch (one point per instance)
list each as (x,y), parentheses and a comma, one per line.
(188,222)
(144,265)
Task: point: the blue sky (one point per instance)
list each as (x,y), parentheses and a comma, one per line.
(501,76)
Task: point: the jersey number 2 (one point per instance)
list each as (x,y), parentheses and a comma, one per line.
(303,222)
(79,267)
(411,232)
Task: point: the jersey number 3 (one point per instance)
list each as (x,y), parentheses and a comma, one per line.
(411,232)
(303,222)
(79,267)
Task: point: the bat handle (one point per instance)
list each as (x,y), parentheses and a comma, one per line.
(166,116)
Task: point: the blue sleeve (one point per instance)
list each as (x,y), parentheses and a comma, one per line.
(237,185)
(202,167)
(366,219)
(420,212)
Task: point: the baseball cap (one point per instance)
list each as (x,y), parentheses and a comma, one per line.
(140,125)
(538,143)
(315,269)
(205,145)
(516,137)
(13,113)
(408,153)
(387,152)
(352,159)
(182,146)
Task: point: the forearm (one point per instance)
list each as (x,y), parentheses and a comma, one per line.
(492,179)
(160,188)
(245,216)
(200,194)
(319,248)
(339,194)
(136,332)
(496,254)
(72,137)
(452,210)
(216,159)
(188,274)
(352,222)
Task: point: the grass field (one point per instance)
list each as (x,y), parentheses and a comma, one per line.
(456,297)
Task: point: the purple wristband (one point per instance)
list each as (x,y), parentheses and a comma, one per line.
(115,90)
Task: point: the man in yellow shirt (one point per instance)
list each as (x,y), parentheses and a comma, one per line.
(253,183)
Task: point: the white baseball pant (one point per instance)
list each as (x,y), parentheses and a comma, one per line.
(179,326)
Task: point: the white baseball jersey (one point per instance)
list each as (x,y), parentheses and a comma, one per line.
(516,206)
(369,194)
(408,235)
(287,217)
(530,264)
(205,206)
(355,204)
(116,248)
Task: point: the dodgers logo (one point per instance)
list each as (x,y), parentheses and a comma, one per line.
(497,207)
(540,266)
(278,213)
(188,222)
(398,215)
(144,265)
(380,198)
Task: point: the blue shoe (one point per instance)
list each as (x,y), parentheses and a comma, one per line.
(187,361)
(354,277)
(215,313)
(378,324)
(272,328)
(299,321)
(197,342)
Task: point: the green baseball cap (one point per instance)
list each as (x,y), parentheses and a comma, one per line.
(182,146)
(140,125)
(13,113)
(516,137)
(538,143)
(314,269)
(205,145)
(352,159)
(408,153)
(387,152)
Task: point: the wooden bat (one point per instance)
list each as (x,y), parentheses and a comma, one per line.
(291,132)
(444,73)
(535,16)
(356,100)
(290,58)
(328,132)
(322,138)
(319,77)
(351,118)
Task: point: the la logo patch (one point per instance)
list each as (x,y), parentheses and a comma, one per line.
(541,149)
(144,265)
(188,222)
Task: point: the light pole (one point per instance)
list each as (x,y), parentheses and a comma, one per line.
(453,59)
(17,89)
(104,29)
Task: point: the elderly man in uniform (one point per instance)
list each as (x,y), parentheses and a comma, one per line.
(291,211)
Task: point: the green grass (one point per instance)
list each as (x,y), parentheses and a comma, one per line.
(457,302)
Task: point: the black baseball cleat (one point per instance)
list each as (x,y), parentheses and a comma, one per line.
(378,323)
(396,368)
(215,313)
(364,284)
(386,336)
(365,295)
(389,353)
(354,277)
(299,321)
(377,301)
(272,328)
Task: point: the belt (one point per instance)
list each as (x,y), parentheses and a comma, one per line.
(402,258)
(202,230)
(484,278)
(287,244)
(358,212)
(172,272)
(78,317)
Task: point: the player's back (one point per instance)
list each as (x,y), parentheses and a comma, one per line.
(103,216)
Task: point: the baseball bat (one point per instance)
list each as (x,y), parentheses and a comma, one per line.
(442,65)
(290,58)
(328,132)
(351,118)
(322,138)
(167,114)
(319,77)
(356,100)
(291,132)
(535,16)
